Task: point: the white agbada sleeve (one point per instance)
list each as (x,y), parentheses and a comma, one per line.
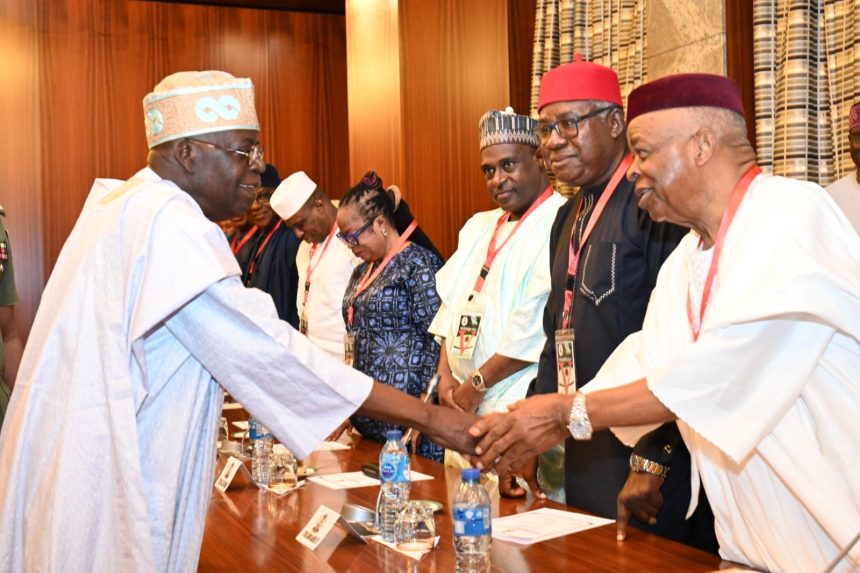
(278,375)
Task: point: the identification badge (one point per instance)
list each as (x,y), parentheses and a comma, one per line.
(564,362)
(467,335)
(348,349)
(303,323)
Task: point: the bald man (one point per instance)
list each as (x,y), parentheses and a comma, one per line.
(751,339)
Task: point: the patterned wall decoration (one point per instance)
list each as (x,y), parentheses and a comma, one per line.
(609,32)
(806,79)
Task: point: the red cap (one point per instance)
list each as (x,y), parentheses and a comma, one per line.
(854,116)
(579,81)
(685,90)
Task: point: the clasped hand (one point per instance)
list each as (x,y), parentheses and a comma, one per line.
(507,441)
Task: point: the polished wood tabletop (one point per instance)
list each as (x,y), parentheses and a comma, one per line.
(248,530)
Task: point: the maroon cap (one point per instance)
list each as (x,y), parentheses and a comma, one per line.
(578,81)
(685,90)
(854,116)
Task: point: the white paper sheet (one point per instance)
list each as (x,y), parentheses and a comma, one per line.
(542,524)
(349,480)
(331,447)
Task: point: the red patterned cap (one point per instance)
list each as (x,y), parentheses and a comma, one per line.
(578,81)
(685,90)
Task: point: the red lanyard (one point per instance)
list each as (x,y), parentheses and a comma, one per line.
(310,268)
(261,248)
(492,250)
(735,199)
(369,278)
(236,245)
(573,254)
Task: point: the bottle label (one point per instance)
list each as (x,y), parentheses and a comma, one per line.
(394,468)
(257,431)
(472,521)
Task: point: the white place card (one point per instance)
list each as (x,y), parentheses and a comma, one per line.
(542,524)
(227,474)
(350,480)
(318,527)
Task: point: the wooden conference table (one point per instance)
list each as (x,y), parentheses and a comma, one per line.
(252,530)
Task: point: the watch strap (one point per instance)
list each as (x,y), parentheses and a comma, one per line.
(643,465)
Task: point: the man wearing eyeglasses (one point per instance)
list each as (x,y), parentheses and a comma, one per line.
(271,266)
(108,448)
(606,253)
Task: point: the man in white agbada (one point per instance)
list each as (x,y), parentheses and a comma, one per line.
(846,191)
(494,287)
(108,449)
(324,263)
(765,380)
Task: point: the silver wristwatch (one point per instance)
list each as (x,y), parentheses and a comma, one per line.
(644,465)
(478,381)
(578,424)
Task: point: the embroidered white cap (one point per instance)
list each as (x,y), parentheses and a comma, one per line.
(292,194)
(185,104)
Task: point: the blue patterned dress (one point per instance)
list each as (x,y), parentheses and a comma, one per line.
(390,324)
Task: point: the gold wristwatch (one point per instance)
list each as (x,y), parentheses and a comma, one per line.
(643,465)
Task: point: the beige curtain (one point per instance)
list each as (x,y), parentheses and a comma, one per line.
(609,32)
(807,76)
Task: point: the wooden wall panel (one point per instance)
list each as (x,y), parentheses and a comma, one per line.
(521,37)
(101,57)
(739,55)
(373,73)
(454,67)
(20,150)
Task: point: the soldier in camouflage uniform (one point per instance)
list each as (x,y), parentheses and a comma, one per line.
(11,346)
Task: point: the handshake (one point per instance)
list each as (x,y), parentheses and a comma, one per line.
(504,441)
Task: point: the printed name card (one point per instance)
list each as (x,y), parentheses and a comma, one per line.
(318,527)
(227,474)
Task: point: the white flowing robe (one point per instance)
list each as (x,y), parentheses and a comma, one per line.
(512,299)
(768,399)
(326,328)
(846,193)
(109,447)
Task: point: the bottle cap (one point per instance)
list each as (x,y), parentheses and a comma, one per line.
(393,435)
(470,474)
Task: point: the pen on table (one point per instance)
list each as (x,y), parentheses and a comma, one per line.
(431,388)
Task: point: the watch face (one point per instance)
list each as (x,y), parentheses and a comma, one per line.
(478,382)
(580,430)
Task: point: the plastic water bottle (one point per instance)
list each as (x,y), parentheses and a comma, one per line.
(261,451)
(395,482)
(472,529)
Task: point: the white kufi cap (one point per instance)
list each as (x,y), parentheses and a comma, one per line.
(292,194)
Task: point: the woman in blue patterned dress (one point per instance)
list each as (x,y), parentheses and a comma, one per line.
(389,302)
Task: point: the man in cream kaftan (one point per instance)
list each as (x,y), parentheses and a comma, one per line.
(124,448)
(768,398)
(109,445)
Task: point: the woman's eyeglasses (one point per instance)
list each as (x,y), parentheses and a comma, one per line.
(351,239)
